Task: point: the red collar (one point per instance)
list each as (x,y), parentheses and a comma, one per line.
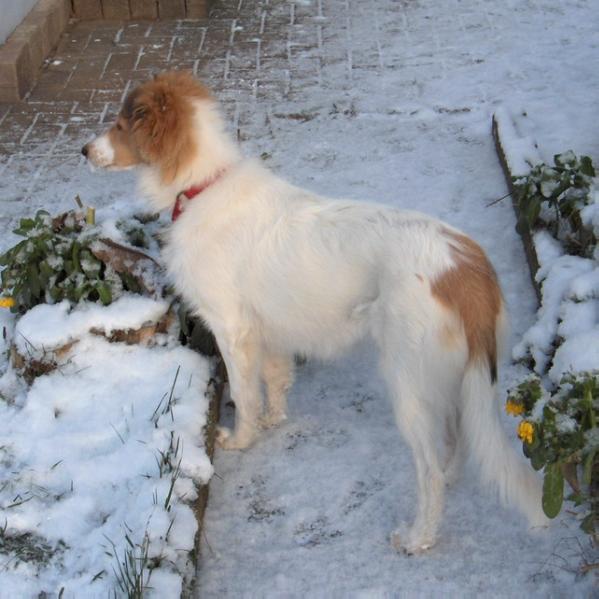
(191,193)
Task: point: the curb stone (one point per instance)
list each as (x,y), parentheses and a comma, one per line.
(214,392)
(527,241)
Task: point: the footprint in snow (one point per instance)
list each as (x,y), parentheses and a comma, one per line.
(316,532)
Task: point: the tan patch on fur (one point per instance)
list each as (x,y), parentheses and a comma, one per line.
(125,153)
(471,290)
(155,125)
(450,335)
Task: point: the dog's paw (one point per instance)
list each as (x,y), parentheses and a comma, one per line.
(223,434)
(409,543)
(227,439)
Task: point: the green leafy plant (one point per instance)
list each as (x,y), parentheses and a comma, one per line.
(65,258)
(560,435)
(553,196)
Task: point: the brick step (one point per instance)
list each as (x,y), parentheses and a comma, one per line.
(140,9)
(32,41)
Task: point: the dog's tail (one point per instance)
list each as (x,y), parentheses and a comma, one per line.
(499,463)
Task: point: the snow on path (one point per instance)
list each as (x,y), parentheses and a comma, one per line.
(309,509)
(389,100)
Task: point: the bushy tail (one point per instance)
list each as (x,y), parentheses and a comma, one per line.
(499,463)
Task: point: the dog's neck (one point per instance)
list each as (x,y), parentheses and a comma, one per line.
(216,153)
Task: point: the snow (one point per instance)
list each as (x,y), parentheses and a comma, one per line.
(308,510)
(564,279)
(523,154)
(47,327)
(80,462)
(6,331)
(578,353)
(590,215)
(400,113)
(586,286)
(565,336)
(569,313)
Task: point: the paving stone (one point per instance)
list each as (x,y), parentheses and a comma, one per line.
(115,9)
(87,9)
(254,55)
(143,9)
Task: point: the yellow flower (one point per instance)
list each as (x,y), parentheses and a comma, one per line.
(526,431)
(513,408)
(7,302)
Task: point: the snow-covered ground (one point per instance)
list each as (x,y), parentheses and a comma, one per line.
(398,110)
(107,447)
(101,458)
(565,337)
(309,509)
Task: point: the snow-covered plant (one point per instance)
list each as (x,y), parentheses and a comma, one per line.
(554,196)
(560,434)
(64,258)
(132,572)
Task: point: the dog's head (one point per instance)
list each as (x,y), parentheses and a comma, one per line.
(154,127)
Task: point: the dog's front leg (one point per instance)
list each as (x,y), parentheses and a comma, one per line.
(277,371)
(242,354)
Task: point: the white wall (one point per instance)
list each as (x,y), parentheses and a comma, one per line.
(12,12)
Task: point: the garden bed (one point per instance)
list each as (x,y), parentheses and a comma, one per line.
(557,207)
(565,273)
(109,426)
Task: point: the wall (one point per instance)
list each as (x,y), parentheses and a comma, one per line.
(13,12)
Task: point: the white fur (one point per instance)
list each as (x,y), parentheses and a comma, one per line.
(275,270)
(215,150)
(101,152)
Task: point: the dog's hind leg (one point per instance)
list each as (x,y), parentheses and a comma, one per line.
(242,354)
(424,377)
(277,371)
(419,425)
(456,450)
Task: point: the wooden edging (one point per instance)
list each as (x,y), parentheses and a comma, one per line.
(214,392)
(529,246)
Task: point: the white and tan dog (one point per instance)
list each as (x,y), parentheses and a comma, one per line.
(275,270)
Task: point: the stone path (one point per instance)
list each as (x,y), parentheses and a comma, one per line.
(247,52)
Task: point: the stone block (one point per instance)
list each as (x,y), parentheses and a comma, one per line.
(16,68)
(87,9)
(144,9)
(197,9)
(116,9)
(25,50)
(171,9)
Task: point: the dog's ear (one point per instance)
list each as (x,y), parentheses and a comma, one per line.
(160,114)
(160,123)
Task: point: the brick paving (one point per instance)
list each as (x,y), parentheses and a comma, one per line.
(264,59)
(267,61)
(246,51)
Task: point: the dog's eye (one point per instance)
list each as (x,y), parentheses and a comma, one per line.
(119,127)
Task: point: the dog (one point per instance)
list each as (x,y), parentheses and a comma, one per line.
(276,271)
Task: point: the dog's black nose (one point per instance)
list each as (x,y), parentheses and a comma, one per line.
(84,150)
